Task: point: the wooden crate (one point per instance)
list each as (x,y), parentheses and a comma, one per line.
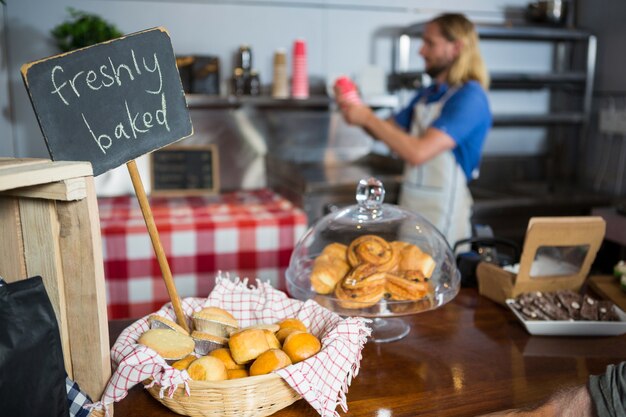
(50,227)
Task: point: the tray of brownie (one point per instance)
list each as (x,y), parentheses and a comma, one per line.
(567,313)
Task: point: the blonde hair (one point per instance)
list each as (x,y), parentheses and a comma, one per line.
(469,65)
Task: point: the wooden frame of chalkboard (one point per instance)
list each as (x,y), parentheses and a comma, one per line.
(179,170)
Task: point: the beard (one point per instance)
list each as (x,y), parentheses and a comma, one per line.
(438,65)
(435,70)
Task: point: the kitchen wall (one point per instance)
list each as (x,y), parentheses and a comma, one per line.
(342,37)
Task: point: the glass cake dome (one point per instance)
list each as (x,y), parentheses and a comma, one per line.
(374,260)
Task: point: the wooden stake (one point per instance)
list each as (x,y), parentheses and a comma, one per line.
(156,243)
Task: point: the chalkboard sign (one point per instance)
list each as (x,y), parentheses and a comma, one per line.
(110,103)
(185,170)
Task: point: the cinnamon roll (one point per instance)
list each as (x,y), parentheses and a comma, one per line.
(374,250)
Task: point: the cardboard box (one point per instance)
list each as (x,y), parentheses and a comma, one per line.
(557,255)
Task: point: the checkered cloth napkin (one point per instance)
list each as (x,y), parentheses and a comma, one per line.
(76,399)
(322,380)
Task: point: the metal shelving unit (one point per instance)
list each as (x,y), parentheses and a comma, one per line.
(570,83)
(563,76)
(512,188)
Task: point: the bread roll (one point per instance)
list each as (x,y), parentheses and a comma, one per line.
(216,321)
(413,259)
(329,268)
(237,373)
(398,246)
(292,323)
(336,250)
(171,345)
(206,342)
(246,345)
(300,346)
(269,361)
(272,341)
(184,362)
(224,355)
(160,322)
(282,334)
(207,368)
(272,327)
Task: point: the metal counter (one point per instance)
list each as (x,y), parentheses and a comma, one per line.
(319,187)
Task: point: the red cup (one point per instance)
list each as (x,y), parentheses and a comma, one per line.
(347,90)
(299,76)
(299,47)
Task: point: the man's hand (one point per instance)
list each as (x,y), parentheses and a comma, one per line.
(571,402)
(354,113)
(357,114)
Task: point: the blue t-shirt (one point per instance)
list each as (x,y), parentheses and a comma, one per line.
(465,116)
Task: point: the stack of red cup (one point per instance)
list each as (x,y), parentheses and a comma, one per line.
(299,77)
(347,90)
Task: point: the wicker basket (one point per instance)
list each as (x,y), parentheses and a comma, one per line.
(253,396)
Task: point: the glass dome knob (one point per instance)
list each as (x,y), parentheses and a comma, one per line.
(370,194)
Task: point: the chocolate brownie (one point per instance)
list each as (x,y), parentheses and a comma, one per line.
(547,302)
(606,311)
(589,309)
(563,305)
(571,302)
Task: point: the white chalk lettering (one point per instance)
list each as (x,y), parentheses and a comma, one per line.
(116,72)
(105,75)
(133,122)
(163,112)
(73,82)
(98,139)
(91,78)
(147,120)
(57,89)
(120,131)
(157,67)
(130,126)
(132,52)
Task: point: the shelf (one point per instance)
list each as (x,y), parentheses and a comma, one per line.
(202,101)
(501,80)
(526,33)
(538,80)
(538,119)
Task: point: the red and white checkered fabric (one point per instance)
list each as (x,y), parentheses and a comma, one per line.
(247,233)
(322,380)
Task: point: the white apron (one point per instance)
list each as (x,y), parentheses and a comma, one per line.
(438,188)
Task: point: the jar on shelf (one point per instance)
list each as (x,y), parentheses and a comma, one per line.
(238,87)
(253,84)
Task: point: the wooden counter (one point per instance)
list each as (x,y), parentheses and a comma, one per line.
(468,358)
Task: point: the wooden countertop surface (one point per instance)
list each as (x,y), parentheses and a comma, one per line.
(467,358)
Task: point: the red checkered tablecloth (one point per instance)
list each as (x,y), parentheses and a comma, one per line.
(246,233)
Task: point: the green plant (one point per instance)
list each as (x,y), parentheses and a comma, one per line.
(83,29)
